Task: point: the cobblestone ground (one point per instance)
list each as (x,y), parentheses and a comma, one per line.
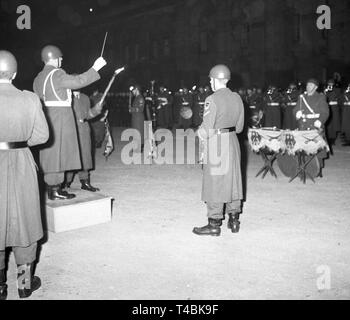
(294,241)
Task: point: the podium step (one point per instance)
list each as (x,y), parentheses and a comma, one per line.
(87,209)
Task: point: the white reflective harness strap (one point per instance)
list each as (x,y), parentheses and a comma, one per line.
(313,115)
(59,102)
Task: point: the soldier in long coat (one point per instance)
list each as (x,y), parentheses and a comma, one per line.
(83,113)
(222,180)
(53,85)
(22,125)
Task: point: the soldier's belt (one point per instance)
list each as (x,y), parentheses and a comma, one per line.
(273,104)
(13,145)
(185,103)
(347,103)
(252,107)
(312,116)
(201,103)
(64,104)
(291,104)
(225,130)
(333,103)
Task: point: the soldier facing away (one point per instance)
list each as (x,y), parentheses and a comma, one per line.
(22,125)
(53,85)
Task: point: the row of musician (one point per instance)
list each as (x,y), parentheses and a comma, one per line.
(273,108)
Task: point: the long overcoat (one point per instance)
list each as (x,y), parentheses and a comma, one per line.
(22,119)
(61,153)
(222,177)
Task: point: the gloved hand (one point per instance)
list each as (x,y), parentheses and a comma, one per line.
(299,115)
(99,64)
(318,124)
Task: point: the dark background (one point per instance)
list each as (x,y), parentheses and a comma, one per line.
(176,42)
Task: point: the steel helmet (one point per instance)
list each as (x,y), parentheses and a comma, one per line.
(220,71)
(50,52)
(8,62)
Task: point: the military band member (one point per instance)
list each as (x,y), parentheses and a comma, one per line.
(137,109)
(83,113)
(312,111)
(164,109)
(272,108)
(53,85)
(186,102)
(346,116)
(223,119)
(334,123)
(290,99)
(22,125)
(198,107)
(255,111)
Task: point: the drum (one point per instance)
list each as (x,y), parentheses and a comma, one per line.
(310,142)
(265,138)
(292,165)
(186,113)
(288,164)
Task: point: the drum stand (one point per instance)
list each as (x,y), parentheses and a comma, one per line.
(301,170)
(268,159)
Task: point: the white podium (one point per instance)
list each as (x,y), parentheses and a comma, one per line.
(87,209)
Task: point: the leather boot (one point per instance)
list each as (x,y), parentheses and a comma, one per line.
(3,285)
(56,193)
(211,229)
(27,283)
(233,222)
(85,185)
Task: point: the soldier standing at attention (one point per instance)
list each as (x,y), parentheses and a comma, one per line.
(290,99)
(53,85)
(22,125)
(272,108)
(312,112)
(222,189)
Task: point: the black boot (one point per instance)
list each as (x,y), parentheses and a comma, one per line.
(85,185)
(233,222)
(56,193)
(27,283)
(211,229)
(3,285)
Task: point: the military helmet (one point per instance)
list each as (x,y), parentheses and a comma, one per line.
(8,63)
(220,71)
(50,52)
(331,82)
(314,81)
